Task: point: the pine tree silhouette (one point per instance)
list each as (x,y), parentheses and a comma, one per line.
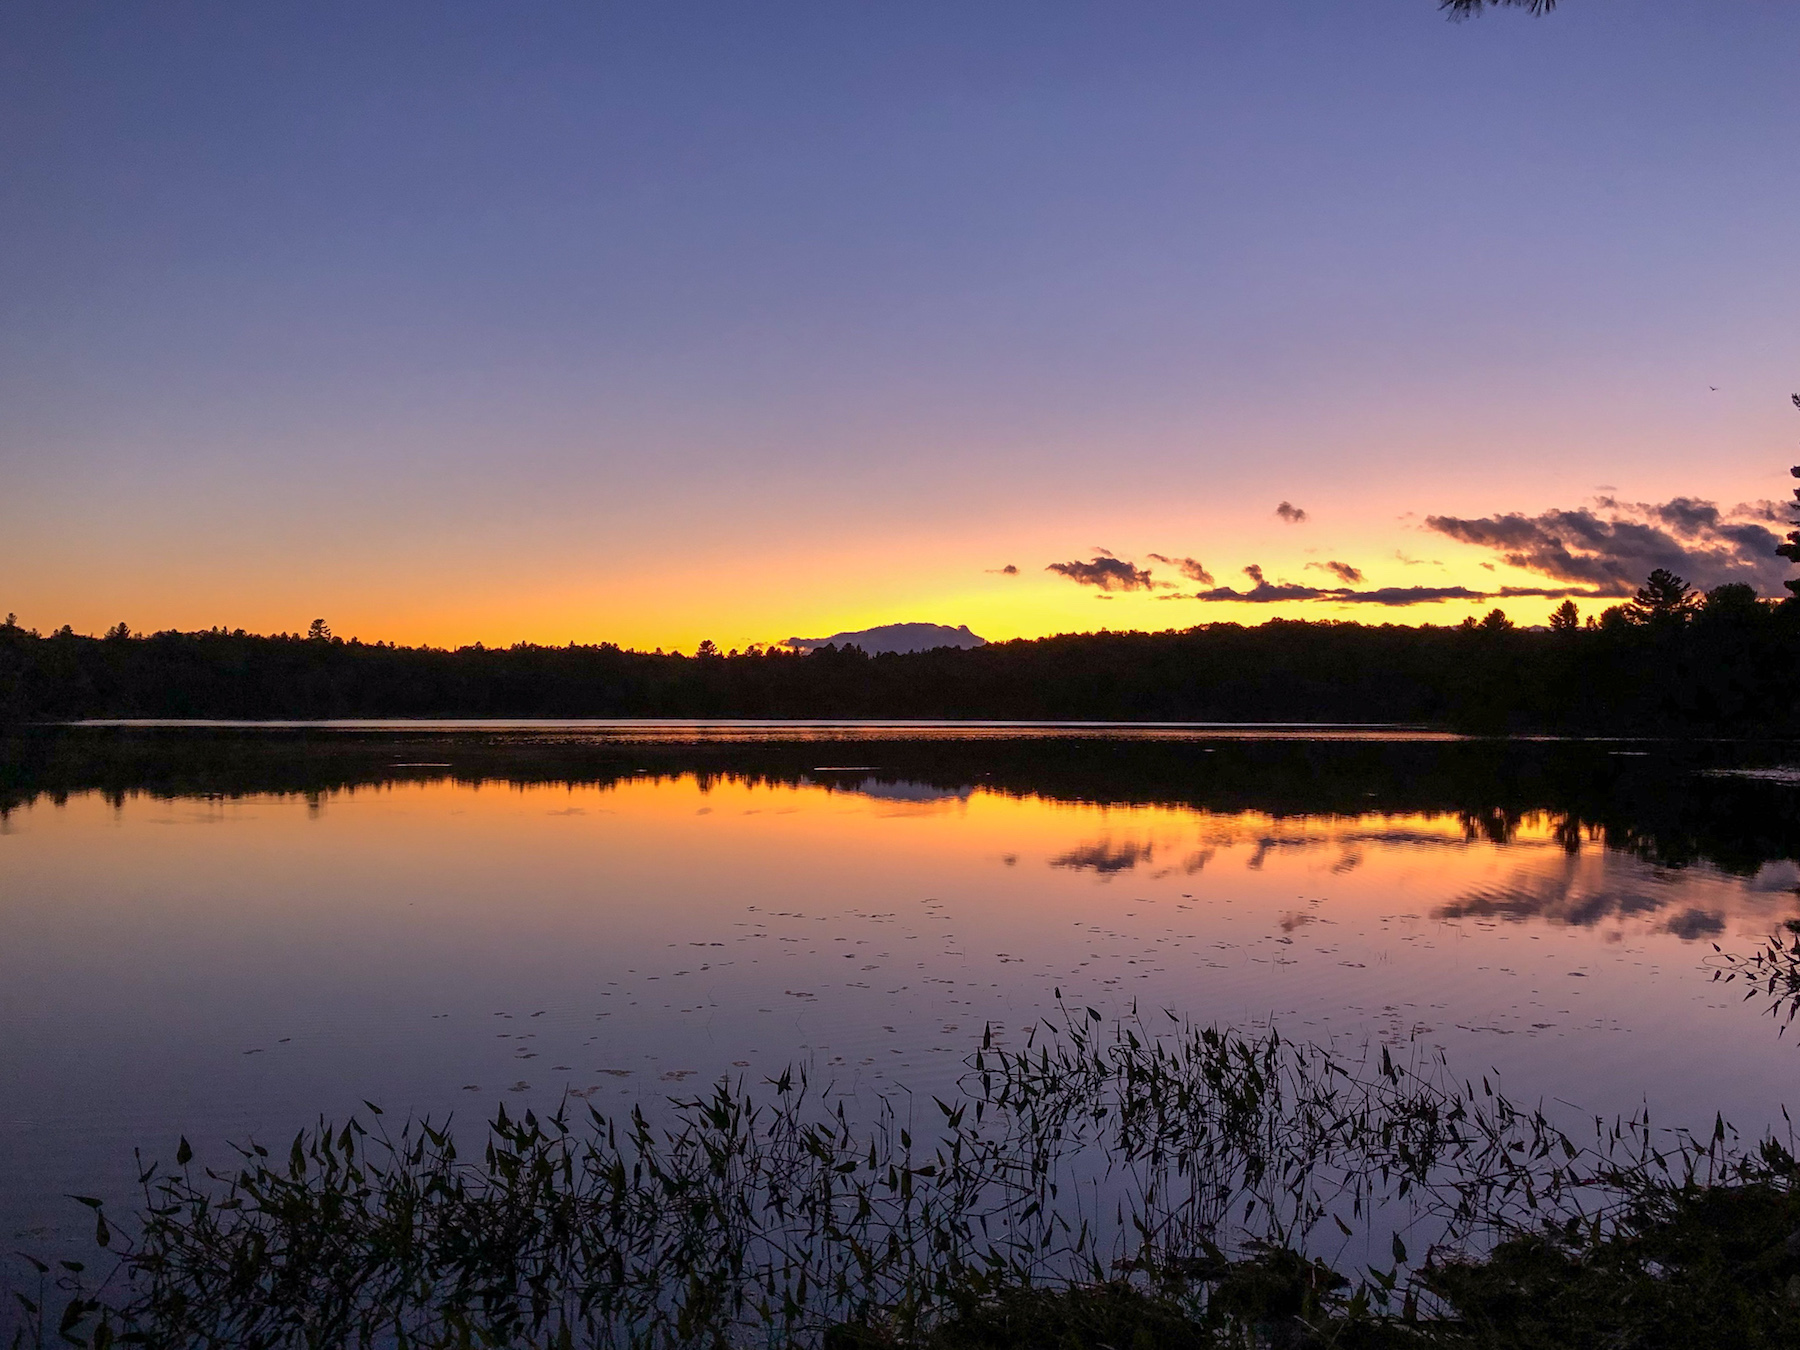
(1791,549)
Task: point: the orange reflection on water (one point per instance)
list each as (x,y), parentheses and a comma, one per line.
(210,965)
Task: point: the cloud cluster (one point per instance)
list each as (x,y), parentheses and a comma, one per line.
(1616,545)
(1105,572)
(1602,552)
(1265,592)
(1191,568)
(1110,574)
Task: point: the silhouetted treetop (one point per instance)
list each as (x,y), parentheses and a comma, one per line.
(1664,598)
(1468,9)
(1791,549)
(1669,661)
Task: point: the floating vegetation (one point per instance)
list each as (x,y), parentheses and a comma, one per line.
(1771,973)
(1119,1185)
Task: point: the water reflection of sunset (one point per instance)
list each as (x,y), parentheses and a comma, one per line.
(433,942)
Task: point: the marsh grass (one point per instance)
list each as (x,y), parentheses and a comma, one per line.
(1147,1179)
(1771,973)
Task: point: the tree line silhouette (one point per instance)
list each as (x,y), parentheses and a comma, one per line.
(1670,660)
(1673,807)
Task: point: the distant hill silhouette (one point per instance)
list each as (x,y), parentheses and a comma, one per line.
(895,637)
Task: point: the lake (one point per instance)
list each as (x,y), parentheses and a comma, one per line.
(225,931)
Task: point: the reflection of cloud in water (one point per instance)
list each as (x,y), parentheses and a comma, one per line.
(1696,923)
(1546,872)
(1587,893)
(1785,773)
(1568,899)
(1775,876)
(1194,862)
(1106,857)
(1268,843)
(903,790)
(1266,837)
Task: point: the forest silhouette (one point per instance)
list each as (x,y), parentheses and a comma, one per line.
(1688,802)
(1671,661)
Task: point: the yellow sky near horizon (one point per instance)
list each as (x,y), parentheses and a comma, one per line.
(783,593)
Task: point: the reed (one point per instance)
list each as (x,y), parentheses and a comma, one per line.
(1246,1188)
(1770,974)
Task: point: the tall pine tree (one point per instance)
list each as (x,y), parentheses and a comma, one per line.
(1791,549)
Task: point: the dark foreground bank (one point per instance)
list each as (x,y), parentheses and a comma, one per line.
(1723,662)
(1149,1184)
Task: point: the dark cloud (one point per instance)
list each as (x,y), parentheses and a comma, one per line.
(1010,570)
(1688,517)
(1547,593)
(1292,514)
(1191,568)
(1106,572)
(1407,595)
(1770,512)
(1616,546)
(1265,593)
(1424,595)
(1254,573)
(1344,572)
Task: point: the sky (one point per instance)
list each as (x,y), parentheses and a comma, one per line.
(643,323)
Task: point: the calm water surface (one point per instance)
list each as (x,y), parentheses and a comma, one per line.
(214,932)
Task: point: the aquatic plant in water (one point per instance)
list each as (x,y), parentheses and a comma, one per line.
(1175,1166)
(1771,973)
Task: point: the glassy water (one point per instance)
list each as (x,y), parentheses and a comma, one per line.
(219,932)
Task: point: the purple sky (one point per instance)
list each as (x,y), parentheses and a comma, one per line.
(656,322)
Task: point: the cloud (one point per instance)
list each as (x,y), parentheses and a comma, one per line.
(1010,570)
(1774,513)
(1191,568)
(1106,572)
(1344,572)
(1547,593)
(1254,573)
(1292,514)
(1615,546)
(1408,595)
(1264,593)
